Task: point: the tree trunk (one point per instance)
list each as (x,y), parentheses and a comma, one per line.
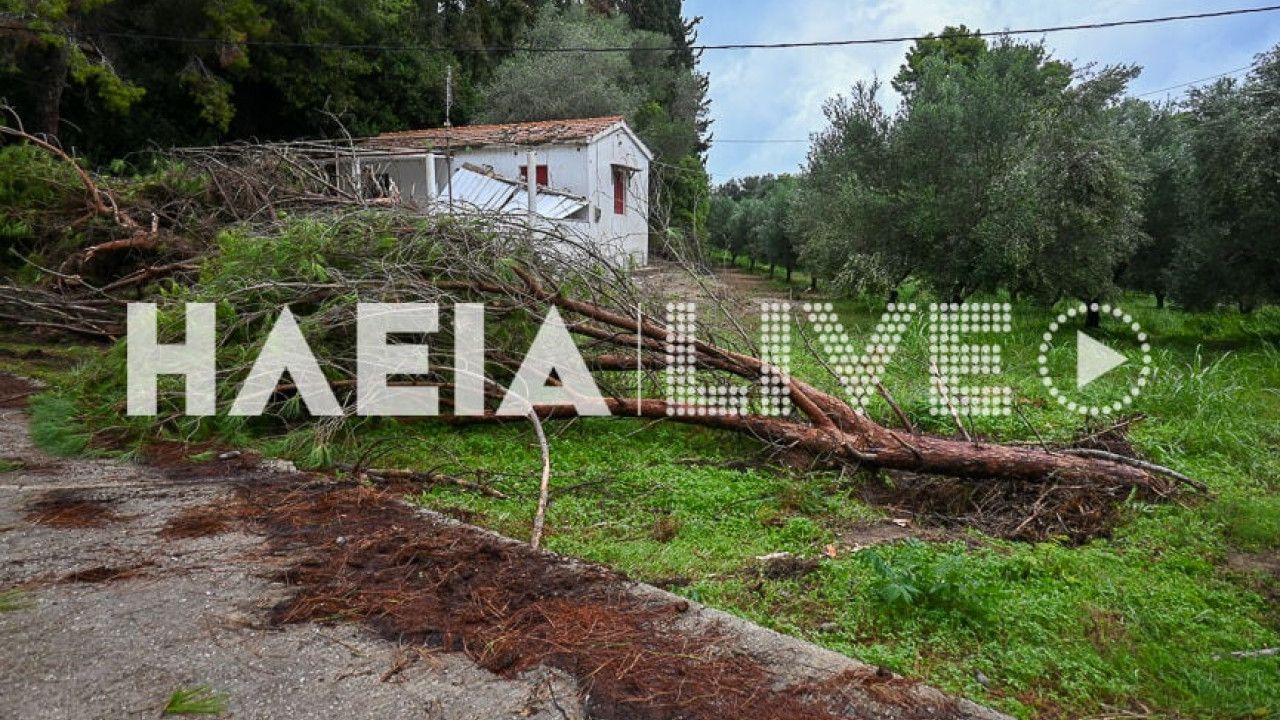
(1092,317)
(813,283)
(788,275)
(1159,301)
(834,431)
(47,96)
(893,295)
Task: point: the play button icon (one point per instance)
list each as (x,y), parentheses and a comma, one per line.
(1093,359)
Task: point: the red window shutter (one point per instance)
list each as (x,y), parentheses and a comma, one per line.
(540,175)
(619,190)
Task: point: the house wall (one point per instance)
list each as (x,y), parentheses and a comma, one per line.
(585,170)
(565,165)
(409,173)
(628,232)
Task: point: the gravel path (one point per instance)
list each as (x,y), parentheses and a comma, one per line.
(119,617)
(120,609)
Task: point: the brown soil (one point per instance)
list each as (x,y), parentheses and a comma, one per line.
(361,555)
(1262,571)
(71,509)
(1265,562)
(103,573)
(788,567)
(14,390)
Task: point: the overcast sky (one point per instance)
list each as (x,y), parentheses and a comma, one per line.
(777,95)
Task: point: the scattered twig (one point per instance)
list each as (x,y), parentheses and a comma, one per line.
(431,478)
(1139,464)
(942,390)
(403,661)
(1243,654)
(544,486)
(1043,445)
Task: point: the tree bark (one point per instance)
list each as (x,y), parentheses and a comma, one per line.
(46,110)
(834,433)
(1092,317)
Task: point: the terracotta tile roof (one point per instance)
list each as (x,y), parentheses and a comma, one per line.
(547,132)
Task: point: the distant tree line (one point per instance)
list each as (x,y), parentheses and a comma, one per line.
(754,218)
(1004,169)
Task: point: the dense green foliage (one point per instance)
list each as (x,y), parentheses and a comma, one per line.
(33,187)
(1229,246)
(111,76)
(116,77)
(755,217)
(185,73)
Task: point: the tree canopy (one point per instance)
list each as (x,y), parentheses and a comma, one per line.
(110,77)
(1004,169)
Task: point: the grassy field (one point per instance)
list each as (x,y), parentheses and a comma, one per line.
(1136,622)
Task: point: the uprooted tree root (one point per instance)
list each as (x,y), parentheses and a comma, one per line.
(1008,509)
(363,556)
(1022,509)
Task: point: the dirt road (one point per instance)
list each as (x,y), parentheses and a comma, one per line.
(301,596)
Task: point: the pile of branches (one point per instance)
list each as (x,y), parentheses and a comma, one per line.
(122,236)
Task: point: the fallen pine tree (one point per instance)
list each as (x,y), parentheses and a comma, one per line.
(321,262)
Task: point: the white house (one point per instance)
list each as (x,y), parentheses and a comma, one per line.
(590,176)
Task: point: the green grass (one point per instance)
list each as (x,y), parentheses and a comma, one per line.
(199,700)
(1132,621)
(50,364)
(8,466)
(11,600)
(55,426)
(1250,523)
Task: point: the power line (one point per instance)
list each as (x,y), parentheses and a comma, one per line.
(760,142)
(727,46)
(994,33)
(1194,82)
(1225,73)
